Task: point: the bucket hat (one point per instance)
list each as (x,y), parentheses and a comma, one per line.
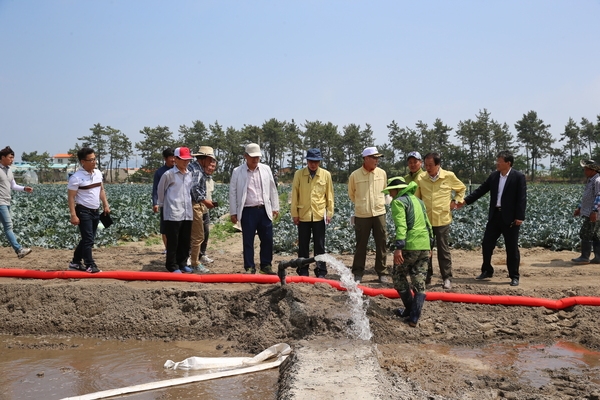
(591,164)
(313,155)
(205,151)
(396,182)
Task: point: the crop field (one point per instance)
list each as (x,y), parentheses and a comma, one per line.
(42,218)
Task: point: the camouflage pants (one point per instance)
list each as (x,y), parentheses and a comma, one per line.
(590,231)
(415,265)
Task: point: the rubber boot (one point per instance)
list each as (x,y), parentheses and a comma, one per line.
(586,250)
(417,307)
(407,300)
(596,247)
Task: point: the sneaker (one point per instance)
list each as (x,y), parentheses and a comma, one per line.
(357,278)
(77,267)
(206,259)
(250,271)
(384,279)
(177,271)
(267,270)
(92,269)
(164,251)
(23,252)
(447,284)
(201,269)
(186,270)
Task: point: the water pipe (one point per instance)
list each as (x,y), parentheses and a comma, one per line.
(297,263)
(258,278)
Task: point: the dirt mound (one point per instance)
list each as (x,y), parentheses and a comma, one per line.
(252,317)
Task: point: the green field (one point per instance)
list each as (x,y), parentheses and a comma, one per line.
(42,218)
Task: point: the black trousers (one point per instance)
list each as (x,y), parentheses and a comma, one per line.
(494,228)
(317,230)
(179,234)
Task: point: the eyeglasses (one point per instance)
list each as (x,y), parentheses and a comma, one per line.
(91,159)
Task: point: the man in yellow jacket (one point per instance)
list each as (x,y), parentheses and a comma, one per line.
(436,188)
(312,208)
(365,187)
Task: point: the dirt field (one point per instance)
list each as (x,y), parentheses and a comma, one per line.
(415,362)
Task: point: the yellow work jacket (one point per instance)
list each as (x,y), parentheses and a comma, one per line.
(437,195)
(312,196)
(364,189)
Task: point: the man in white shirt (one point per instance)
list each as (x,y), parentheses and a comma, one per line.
(85,192)
(254,201)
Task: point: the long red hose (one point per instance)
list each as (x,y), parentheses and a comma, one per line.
(253,278)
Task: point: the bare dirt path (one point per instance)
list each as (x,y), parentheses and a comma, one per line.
(417,362)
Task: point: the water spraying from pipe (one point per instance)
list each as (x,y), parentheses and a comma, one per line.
(358,305)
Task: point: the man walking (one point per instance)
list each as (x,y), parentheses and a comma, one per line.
(7,183)
(508,200)
(85,192)
(588,211)
(435,189)
(312,208)
(254,201)
(365,187)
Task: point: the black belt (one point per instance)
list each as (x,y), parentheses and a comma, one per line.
(259,206)
(85,208)
(498,208)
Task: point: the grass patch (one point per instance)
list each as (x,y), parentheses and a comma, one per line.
(222,231)
(153,240)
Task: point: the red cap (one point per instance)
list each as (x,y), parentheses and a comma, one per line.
(183,153)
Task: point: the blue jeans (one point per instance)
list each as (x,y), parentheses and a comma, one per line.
(7,225)
(88,224)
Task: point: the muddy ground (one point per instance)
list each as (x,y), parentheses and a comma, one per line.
(252,317)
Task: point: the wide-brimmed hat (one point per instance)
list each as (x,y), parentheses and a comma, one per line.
(591,164)
(253,150)
(206,151)
(396,182)
(371,151)
(183,153)
(313,155)
(414,154)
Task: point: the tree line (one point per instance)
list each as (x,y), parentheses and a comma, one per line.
(469,150)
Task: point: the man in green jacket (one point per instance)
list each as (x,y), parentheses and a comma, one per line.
(412,246)
(415,164)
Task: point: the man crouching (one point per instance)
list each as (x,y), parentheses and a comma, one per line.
(412,246)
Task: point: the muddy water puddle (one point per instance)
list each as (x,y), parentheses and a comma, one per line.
(531,363)
(55,368)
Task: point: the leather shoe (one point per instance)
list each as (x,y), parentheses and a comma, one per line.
(514,282)
(484,275)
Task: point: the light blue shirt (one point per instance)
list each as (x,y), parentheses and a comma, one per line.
(174,195)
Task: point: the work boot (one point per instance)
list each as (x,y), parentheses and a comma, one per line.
(415,310)
(596,247)
(407,300)
(586,250)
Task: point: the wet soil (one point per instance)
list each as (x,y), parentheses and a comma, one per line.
(251,317)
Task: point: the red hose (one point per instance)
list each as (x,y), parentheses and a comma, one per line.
(257,278)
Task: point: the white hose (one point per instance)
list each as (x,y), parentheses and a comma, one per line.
(280,351)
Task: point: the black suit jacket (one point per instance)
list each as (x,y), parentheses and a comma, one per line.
(514,195)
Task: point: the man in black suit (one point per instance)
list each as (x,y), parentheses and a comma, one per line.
(508,198)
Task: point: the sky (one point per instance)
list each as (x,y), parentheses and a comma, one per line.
(66,65)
